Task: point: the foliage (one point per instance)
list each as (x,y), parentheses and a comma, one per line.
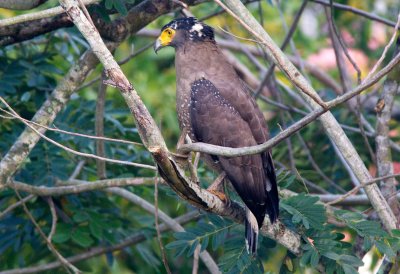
(216,229)
(119,5)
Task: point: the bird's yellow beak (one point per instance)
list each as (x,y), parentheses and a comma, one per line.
(164,39)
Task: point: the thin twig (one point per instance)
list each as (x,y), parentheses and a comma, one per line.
(135,53)
(77,170)
(316,166)
(121,63)
(285,42)
(13,116)
(343,44)
(362,185)
(339,47)
(354,200)
(15,205)
(53,220)
(314,187)
(163,254)
(196,254)
(377,179)
(67,265)
(74,189)
(392,39)
(363,13)
(99,128)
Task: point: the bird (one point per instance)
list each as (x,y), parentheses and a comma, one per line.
(215,106)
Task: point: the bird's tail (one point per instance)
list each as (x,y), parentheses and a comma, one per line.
(251,231)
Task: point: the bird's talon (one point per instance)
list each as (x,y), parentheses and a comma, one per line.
(220,195)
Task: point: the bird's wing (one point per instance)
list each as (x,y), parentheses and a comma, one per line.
(238,94)
(215,121)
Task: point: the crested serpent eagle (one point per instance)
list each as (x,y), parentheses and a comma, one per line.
(215,106)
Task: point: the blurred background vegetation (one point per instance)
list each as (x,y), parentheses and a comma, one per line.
(30,70)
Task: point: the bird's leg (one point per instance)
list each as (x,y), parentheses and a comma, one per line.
(218,188)
(181,158)
(193,167)
(182,138)
(184,160)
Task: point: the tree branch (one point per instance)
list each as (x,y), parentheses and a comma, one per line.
(20,4)
(74,189)
(116,31)
(36,15)
(99,128)
(358,12)
(354,200)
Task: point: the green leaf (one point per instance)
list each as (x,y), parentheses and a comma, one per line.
(25,97)
(360,225)
(204,244)
(218,239)
(109,4)
(80,217)
(177,244)
(96,229)
(349,269)
(63,233)
(184,235)
(305,209)
(314,259)
(396,232)
(218,221)
(287,182)
(350,260)
(305,259)
(82,238)
(192,248)
(332,255)
(120,7)
(147,255)
(385,248)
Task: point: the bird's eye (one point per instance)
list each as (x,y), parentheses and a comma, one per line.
(169,32)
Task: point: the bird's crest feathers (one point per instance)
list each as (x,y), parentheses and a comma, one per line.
(197,30)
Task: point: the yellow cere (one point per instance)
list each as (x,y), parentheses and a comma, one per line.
(166,36)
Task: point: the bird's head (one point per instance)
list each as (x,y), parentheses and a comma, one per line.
(179,31)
